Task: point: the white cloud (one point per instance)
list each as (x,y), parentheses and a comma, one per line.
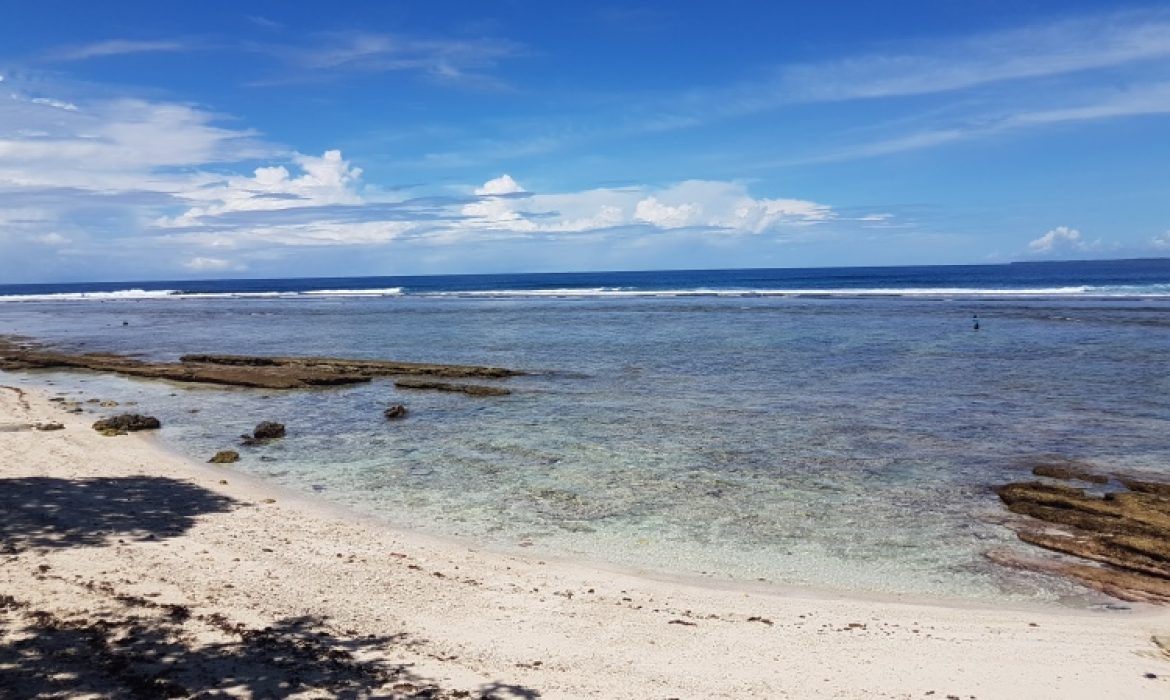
(689,204)
(322,232)
(146,178)
(201,264)
(52,239)
(1161,242)
(1056,48)
(1079,69)
(116,146)
(503,184)
(498,214)
(50,102)
(325,180)
(452,60)
(114,47)
(324,207)
(492,210)
(1062,239)
(655,213)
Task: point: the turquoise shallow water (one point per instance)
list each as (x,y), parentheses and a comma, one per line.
(839,442)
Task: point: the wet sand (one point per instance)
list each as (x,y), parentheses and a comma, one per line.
(126,569)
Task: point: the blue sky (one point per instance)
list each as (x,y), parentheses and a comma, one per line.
(267,139)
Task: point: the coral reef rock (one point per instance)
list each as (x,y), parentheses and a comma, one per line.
(1123,530)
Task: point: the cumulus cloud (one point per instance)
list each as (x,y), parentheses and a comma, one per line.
(323,204)
(159,180)
(503,184)
(325,180)
(656,213)
(709,204)
(1063,239)
(1061,236)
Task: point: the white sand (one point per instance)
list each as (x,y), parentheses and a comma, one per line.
(473,618)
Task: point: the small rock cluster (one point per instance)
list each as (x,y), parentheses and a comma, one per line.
(127,422)
(262,434)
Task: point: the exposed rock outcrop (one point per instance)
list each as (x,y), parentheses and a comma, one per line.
(469,389)
(395,412)
(225,457)
(237,370)
(1126,533)
(371,368)
(1069,470)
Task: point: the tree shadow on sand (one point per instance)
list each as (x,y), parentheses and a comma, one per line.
(42,512)
(163,653)
(135,647)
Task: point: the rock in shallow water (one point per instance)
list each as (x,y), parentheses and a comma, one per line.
(268,430)
(1126,534)
(225,457)
(261,372)
(127,422)
(395,412)
(469,389)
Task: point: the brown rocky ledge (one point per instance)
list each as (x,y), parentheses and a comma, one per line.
(469,389)
(238,370)
(1123,531)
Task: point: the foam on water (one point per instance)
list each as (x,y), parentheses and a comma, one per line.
(603,292)
(93,296)
(1151,291)
(164,294)
(388,292)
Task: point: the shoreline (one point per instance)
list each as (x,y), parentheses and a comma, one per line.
(321,505)
(457,618)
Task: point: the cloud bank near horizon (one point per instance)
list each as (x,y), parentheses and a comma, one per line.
(828,157)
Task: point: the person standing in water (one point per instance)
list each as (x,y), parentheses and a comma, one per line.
(975,319)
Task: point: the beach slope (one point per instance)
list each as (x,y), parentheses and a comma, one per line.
(128,571)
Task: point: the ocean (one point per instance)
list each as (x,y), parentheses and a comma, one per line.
(834,428)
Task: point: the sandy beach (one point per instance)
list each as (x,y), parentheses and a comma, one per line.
(127,571)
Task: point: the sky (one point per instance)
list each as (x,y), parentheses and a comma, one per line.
(149,140)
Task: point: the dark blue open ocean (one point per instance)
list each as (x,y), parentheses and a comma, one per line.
(1111,278)
(833,427)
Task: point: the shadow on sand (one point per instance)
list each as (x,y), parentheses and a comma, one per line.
(152,654)
(135,647)
(41,512)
